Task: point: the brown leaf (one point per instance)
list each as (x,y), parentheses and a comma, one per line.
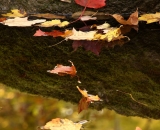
(132,20)
(83,104)
(49,16)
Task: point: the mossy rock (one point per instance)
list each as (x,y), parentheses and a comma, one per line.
(133,69)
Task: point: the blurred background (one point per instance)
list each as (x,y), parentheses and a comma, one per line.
(21,111)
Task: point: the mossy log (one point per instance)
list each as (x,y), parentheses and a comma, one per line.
(133,69)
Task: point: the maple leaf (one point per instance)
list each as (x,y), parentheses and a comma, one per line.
(39,33)
(86,18)
(61,124)
(22,22)
(64,70)
(79,35)
(55,33)
(91,3)
(93,46)
(132,20)
(150,18)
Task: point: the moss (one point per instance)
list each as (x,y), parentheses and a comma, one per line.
(132,69)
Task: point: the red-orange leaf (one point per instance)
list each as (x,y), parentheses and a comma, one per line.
(91,3)
(55,33)
(63,70)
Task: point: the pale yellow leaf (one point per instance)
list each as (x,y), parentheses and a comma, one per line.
(22,22)
(79,35)
(150,18)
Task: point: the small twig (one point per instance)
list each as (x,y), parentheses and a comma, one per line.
(132,97)
(82,12)
(57,43)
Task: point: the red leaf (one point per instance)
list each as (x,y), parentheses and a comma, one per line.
(55,33)
(91,3)
(94,46)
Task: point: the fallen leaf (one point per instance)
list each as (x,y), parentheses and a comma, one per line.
(79,35)
(61,124)
(22,22)
(83,92)
(150,18)
(49,16)
(39,33)
(64,70)
(55,33)
(103,26)
(15,13)
(51,23)
(2,19)
(68,1)
(91,3)
(98,15)
(87,18)
(89,97)
(93,98)
(93,46)
(110,34)
(83,104)
(132,20)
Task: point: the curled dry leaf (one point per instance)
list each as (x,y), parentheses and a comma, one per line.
(15,13)
(86,100)
(83,104)
(61,124)
(64,70)
(150,18)
(132,20)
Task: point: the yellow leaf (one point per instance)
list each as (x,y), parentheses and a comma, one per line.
(83,92)
(112,33)
(150,18)
(15,13)
(55,22)
(50,23)
(63,24)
